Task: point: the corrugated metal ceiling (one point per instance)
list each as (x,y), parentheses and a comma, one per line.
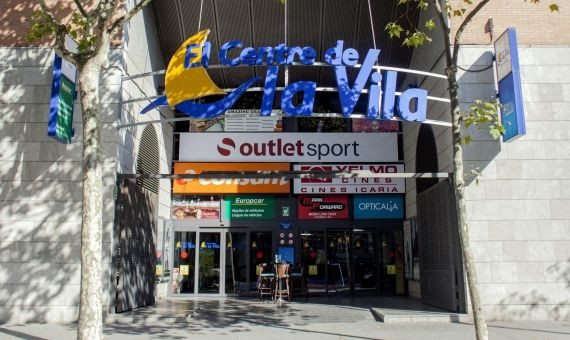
(316,23)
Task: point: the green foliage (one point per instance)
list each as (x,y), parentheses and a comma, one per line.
(394,29)
(483,115)
(79,28)
(554,8)
(41,26)
(416,39)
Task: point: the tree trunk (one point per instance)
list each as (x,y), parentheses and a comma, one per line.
(459,188)
(90,307)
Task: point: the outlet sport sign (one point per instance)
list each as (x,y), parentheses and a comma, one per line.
(288,147)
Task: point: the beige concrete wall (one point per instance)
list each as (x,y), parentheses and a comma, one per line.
(518,215)
(40,179)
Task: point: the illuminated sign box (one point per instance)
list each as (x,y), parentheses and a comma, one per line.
(249,207)
(323,207)
(288,147)
(355,185)
(229,185)
(510,91)
(378,206)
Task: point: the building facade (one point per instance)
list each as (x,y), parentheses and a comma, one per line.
(519,224)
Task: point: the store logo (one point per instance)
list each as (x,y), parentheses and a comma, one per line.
(379,206)
(319,204)
(226,142)
(187,80)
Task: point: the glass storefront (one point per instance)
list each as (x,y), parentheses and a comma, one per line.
(209,263)
(236,262)
(184,262)
(358,262)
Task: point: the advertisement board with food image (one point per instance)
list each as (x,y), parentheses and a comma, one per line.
(189,207)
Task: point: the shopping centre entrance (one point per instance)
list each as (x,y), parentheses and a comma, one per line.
(352,261)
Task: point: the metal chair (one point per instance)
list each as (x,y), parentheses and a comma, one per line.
(299,282)
(282,282)
(264,282)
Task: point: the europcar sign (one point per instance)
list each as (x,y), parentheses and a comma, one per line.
(187,80)
(288,147)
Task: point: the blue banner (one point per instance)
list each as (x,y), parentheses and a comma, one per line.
(378,206)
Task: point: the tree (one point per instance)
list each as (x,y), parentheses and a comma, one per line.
(92,31)
(479,114)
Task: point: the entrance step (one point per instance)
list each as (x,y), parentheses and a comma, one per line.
(401,316)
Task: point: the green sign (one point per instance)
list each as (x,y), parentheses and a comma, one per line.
(64,126)
(285,211)
(249,207)
(60,123)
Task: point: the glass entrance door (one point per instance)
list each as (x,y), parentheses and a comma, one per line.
(313,260)
(339,273)
(364,260)
(209,263)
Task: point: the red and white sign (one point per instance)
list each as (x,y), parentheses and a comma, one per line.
(288,147)
(323,207)
(350,185)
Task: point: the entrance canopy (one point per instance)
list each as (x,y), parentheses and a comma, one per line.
(318,23)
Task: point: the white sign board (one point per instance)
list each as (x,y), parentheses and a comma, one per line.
(350,185)
(288,147)
(503,56)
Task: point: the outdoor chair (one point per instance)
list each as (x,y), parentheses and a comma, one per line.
(265,282)
(282,282)
(299,282)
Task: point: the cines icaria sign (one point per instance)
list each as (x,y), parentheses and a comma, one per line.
(187,80)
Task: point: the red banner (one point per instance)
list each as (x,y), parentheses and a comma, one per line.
(323,207)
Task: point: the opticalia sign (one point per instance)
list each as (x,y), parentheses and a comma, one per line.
(229,185)
(323,207)
(288,147)
(350,185)
(187,79)
(378,206)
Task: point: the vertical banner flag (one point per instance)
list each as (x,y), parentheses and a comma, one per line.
(60,124)
(510,92)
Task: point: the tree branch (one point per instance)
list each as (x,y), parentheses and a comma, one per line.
(441,16)
(60,33)
(81,9)
(127,16)
(462,26)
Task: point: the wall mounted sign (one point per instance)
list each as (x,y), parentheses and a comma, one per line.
(372,125)
(243,121)
(187,79)
(510,91)
(60,124)
(195,207)
(350,185)
(229,185)
(323,207)
(288,147)
(378,206)
(285,211)
(249,207)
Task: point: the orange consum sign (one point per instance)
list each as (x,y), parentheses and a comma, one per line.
(229,185)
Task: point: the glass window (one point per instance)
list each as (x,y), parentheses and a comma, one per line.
(236,262)
(182,275)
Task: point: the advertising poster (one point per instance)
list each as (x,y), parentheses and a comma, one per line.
(250,120)
(408,259)
(249,207)
(370,125)
(186,207)
(229,185)
(355,185)
(323,207)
